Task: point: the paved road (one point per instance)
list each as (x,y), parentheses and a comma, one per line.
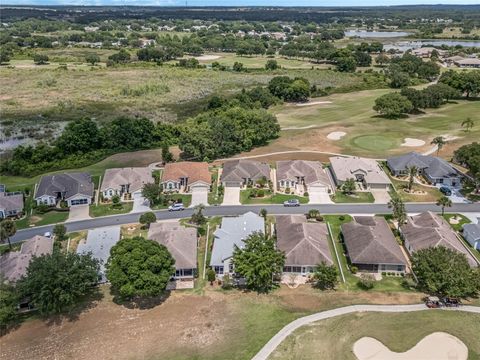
(269,347)
(241,209)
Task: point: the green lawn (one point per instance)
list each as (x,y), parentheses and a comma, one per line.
(429,194)
(358,197)
(214,197)
(269,198)
(185,199)
(51,217)
(107,209)
(333,338)
(462,220)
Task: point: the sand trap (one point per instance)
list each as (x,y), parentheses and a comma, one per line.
(314,103)
(410,142)
(207,57)
(436,346)
(336,135)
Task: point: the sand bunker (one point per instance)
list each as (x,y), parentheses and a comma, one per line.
(314,103)
(207,57)
(436,346)
(336,135)
(413,142)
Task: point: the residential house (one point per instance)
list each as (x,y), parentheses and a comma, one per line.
(451,60)
(74,188)
(11,204)
(99,242)
(233,232)
(240,173)
(181,242)
(185,176)
(471,233)
(371,245)
(14,264)
(426,52)
(366,172)
(122,181)
(468,63)
(434,169)
(431,230)
(303,176)
(305,244)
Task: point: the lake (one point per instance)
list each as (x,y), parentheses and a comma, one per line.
(376,34)
(407,45)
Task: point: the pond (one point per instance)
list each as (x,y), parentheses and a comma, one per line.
(376,34)
(407,45)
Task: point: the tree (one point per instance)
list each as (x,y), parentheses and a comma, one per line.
(258,261)
(399,79)
(382,59)
(366,282)
(412,172)
(147,218)
(167,156)
(59,231)
(139,267)
(444,272)
(5,56)
(238,66)
(55,282)
(349,186)
(325,276)
(197,216)
(439,141)
(211,276)
(398,209)
(92,59)
(346,64)
(362,58)
(468,124)
(444,202)
(271,65)
(40,59)
(264,213)
(392,105)
(151,192)
(116,200)
(123,56)
(7,230)
(79,137)
(8,303)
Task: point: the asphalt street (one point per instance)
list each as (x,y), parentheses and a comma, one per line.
(234,210)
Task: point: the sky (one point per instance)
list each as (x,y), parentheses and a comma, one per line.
(240,2)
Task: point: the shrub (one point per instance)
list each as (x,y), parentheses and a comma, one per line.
(227,283)
(341,218)
(366,282)
(260,193)
(319,218)
(305,194)
(287,190)
(354,269)
(211,276)
(41,209)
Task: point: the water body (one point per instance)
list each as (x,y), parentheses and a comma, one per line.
(376,34)
(407,45)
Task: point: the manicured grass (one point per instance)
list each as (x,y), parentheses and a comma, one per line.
(462,220)
(51,217)
(108,209)
(214,197)
(185,199)
(375,143)
(269,198)
(431,194)
(358,197)
(334,338)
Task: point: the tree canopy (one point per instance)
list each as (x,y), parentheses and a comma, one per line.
(325,276)
(392,105)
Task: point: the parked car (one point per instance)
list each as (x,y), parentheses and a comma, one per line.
(446,191)
(433,302)
(451,302)
(48,234)
(176,207)
(291,202)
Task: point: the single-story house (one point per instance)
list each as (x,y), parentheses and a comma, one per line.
(468,63)
(11,204)
(426,52)
(14,264)
(99,243)
(121,181)
(365,171)
(305,244)
(434,169)
(371,245)
(74,188)
(185,176)
(243,172)
(471,233)
(232,232)
(431,230)
(181,242)
(303,176)
(453,59)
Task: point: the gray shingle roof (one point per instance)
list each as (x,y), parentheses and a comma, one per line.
(369,240)
(181,241)
(232,232)
(303,243)
(237,170)
(473,230)
(432,166)
(135,177)
(346,168)
(312,171)
(430,230)
(11,202)
(70,183)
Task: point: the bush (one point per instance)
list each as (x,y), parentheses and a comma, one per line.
(341,218)
(260,193)
(42,209)
(305,194)
(354,269)
(287,190)
(319,218)
(366,282)
(227,283)
(211,276)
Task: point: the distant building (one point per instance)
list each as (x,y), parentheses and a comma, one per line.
(74,188)
(468,63)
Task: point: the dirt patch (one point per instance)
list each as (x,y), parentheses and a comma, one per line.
(336,135)
(310,103)
(410,142)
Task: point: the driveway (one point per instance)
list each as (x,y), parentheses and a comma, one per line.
(381,196)
(79,212)
(231,195)
(199,196)
(456,197)
(140,204)
(319,196)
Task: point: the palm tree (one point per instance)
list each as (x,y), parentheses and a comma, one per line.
(412,172)
(440,142)
(398,209)
(349,186)
(444,202)
(468,124)
(263,213)
(7,229)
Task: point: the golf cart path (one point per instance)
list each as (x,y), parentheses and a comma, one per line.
(288,329)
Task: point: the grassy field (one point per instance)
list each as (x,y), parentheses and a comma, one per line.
(358,197)
(334,338)
(51,217)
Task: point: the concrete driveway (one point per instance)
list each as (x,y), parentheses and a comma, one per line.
(140,204)
(231,195)
(319,196)
(79,212)
(381,196)
(199,196)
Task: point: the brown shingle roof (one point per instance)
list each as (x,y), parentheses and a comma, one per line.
(11,202)
(135,177)
(431,230)
(312,171)
(303,243)
(181,241)
(237,170)
(369,240)
(194,171)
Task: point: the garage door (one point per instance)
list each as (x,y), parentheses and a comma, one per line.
(199,196)
(319,195)
(79,202)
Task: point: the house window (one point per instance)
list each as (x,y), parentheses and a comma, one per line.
(399,268)
(218,270)
(282,183)
(230,267)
